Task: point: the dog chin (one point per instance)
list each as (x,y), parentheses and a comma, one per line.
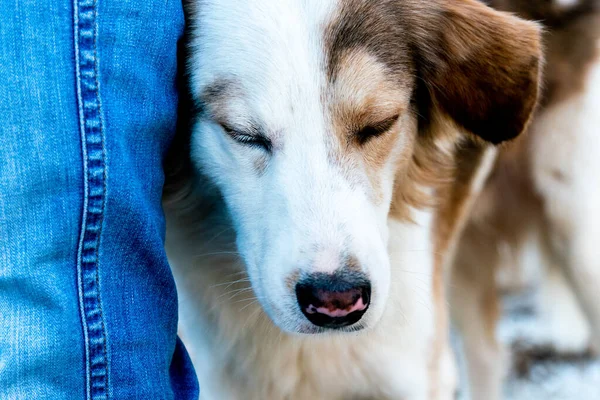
(312,330)
(306,329)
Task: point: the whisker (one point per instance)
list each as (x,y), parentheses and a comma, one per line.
(233,292)
(239,291)
(249,304)
(218,253)
(230,228)
(252,315)
(230,283)
(245,300)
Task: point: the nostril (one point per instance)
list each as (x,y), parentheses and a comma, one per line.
(334,301)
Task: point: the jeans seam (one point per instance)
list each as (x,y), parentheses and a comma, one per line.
(94,182)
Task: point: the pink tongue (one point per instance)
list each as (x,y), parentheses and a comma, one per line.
(358,306)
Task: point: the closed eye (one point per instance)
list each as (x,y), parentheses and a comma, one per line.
(254,139)
(374,130)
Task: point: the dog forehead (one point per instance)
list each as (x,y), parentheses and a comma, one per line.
(264,42)
(266,45)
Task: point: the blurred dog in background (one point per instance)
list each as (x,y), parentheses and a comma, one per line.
(541,204)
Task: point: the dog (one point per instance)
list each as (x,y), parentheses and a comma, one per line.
(541,203)
(334,150)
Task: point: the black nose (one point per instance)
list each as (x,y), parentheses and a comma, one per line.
(334,301)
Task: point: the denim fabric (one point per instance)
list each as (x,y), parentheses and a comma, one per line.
(88,101)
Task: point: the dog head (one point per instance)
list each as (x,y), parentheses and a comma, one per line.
(317,119)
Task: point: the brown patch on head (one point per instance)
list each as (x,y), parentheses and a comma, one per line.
(362,91)
(375,27)
(371,74)
(367,110)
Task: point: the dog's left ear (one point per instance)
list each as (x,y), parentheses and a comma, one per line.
(480,67)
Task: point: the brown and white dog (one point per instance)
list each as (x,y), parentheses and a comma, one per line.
(541,204)
(334,150)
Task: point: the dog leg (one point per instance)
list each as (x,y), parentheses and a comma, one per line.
(583,269)
(475,310)
(448,375)
(567,328)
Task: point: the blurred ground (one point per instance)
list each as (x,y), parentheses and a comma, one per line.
(538,372)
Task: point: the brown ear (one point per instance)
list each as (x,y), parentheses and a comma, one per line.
(481,67)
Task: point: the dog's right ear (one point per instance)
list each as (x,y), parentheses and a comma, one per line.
(480,67)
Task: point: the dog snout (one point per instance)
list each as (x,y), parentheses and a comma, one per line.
(335,300)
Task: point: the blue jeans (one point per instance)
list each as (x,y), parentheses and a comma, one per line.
(88,106)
